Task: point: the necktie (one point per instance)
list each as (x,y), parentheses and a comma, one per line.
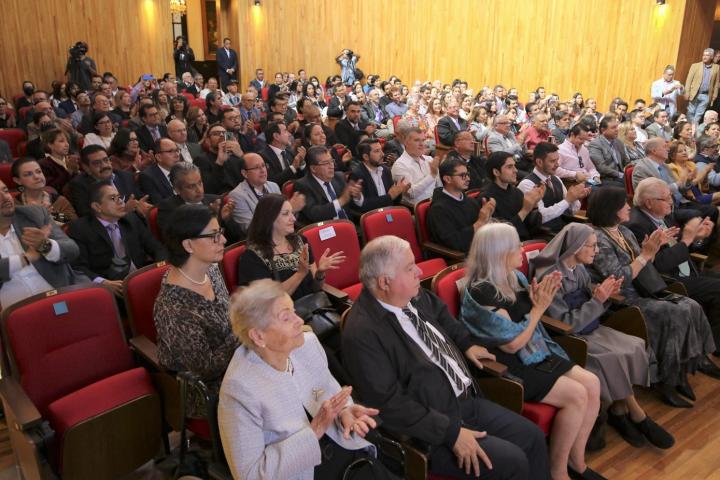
(333,197)
(549,184)
(155,132)
(116,239)
(439,348)
(286,162)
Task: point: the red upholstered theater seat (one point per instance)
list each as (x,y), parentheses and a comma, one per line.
(337,235)
(140,290)
(229,264)
(398,221)
(153,224)
(13,136)
(288,189)
(530,249)
(198,102)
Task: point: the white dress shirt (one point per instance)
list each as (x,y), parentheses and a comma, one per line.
(24,281)
(417,172)
(184,152)
(336,202)
(412,332)
(667,101)
(554,211)
(376,175)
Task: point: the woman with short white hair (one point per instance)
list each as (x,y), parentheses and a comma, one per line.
(281,413)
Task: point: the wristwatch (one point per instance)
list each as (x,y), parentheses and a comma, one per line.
(45,247)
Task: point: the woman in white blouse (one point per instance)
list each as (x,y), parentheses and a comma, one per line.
(102,133)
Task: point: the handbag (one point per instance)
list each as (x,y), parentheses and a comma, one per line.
(318,313)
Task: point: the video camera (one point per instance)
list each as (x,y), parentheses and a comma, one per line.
(78,50)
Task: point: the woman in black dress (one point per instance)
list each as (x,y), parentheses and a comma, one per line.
(275,251)
(502,309)
(183,56)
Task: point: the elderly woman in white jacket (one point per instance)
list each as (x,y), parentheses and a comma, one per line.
(281,413)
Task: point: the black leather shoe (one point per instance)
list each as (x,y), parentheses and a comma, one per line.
(596,440)
(686,390)
(627,429)
(655,434)
(588,474)
(668,395)
(710,369)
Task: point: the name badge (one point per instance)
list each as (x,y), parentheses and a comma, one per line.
(327,233)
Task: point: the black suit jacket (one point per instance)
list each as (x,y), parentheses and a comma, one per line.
(80,185)
(225,62)
(276,173)
(317,206)
(335,106)
(145,137)
(233,232)
(446,129)
(389,371)
(476,169)
(370,193)
(347,135)
(668,258)
(96,248)
(154,183)
(220,179)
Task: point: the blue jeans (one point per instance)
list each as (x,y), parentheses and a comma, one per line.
(696,108)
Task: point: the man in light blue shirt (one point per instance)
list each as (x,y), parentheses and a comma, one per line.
(347,60)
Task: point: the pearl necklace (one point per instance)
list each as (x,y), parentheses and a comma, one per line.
(203,282)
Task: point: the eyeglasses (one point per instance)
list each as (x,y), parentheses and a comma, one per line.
(99,161)
(116,198)
(666,199)
(461,175)
(217,133)
(325,164)
(262,166)
(214,235)
(174,150)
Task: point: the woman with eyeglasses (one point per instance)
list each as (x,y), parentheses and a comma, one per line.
(102,133)
(125,153)
(191,309)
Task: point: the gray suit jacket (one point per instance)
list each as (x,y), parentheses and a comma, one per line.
(246,201)
(261,413)
(58,274)
(644,168)
(507,144)
(656,130)
(601,155)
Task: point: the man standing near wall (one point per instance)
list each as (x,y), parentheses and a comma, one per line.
(227,63)
(702,86)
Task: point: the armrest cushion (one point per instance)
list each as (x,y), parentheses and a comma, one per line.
(496,369)
(147,350)
(556,325)
(23,409)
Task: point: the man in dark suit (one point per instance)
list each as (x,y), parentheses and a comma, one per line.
(653,209)
(464,150)
(378,187)
(449,125)
(398,344)
(349,129)
(227,62)
(154,180)
(282,164)
(112,243)
(188,184)
(259,81)
(35,248)
(327,196)
(152,129)
(96,167)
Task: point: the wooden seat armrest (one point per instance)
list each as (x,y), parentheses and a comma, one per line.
(144,347)
(335,293)
(556,325)
(699,260)
(496,369)
(580,216)
(444,251)
(23,410)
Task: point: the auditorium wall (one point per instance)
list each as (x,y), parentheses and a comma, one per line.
(602,48)
(126,37)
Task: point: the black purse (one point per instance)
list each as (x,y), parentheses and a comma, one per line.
(318,313)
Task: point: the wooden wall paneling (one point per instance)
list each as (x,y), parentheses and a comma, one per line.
(126,37)
(601,48)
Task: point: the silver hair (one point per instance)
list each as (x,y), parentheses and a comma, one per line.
(654,143)
(380,257)
(709,50)
(646,188)
(179,171)
(498,118)
(251,307)
(403,128)
(489,259)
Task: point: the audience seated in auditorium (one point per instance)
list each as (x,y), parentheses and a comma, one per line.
(424,391)
(191,309)
(188,186)
(189,151)
(275,251)
(449,125)
(511,205)
(538,131)
(678,330)
(112,242)
(502,139)
(29,178)
(562,126)
(608,153)
(654,166)
(327,195)
(681,166)
(152,129)
(247,194)
(243,132)
(221,173)
(503,310)
(96,167)
(464,150)
(378,188)
(349,129)
(57,166)
(707,155)
(125,153)
(154,180)
(36,253)
(453,217)
(575,163)
(416,167)
(660,127)
(559,203)
(617,359)
(102,133)
(258,398)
